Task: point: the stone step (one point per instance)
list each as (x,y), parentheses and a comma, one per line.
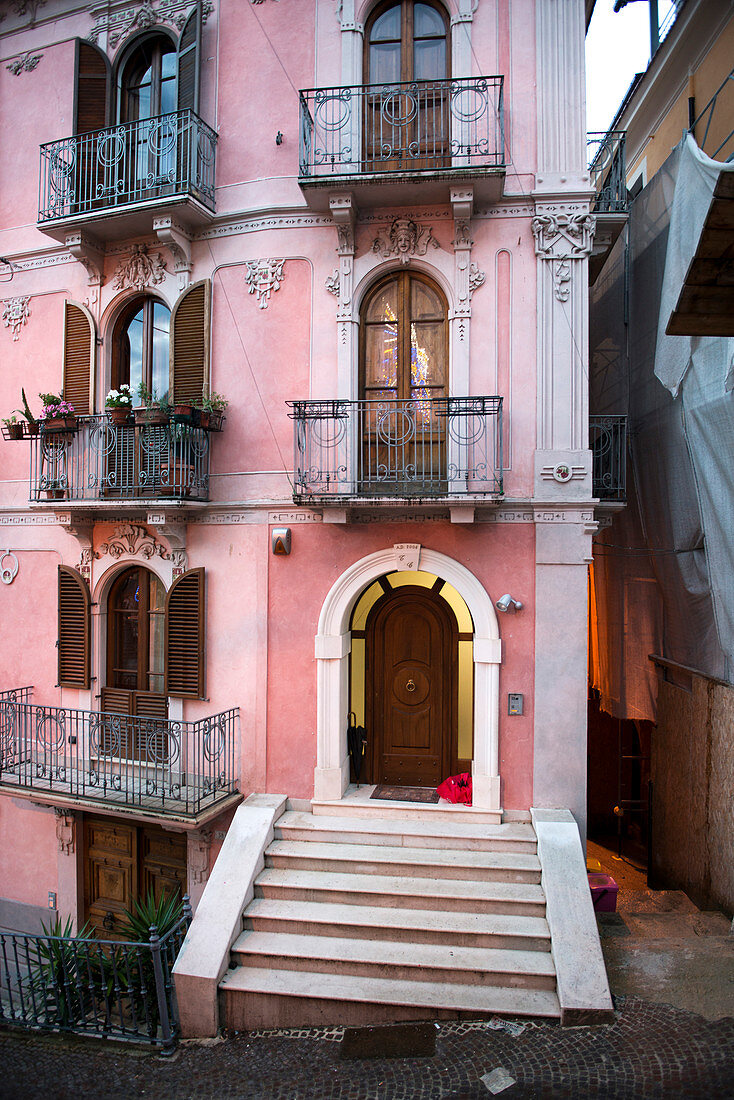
(385,859)
(257,997)
(457,895)
(436,963)
(297,825)
(387,810)
(407,925)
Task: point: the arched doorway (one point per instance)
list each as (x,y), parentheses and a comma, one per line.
(336,638)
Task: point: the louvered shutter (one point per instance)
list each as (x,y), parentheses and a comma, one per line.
(78,356)
(74,629)
(189,344)
(91,108)
(185,635)
(189,49)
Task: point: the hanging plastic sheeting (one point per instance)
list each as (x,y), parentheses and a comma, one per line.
(663,573)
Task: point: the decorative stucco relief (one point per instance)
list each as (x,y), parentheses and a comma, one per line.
(23,7)
(133,540)
(25,64)
(65,831)
(263,278)
(332,283)
(119,18)
(16,313)
(404,238)
(560,238)
(8,566)
(477,277)
(140,269)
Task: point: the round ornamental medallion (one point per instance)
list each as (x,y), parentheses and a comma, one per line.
(562,472)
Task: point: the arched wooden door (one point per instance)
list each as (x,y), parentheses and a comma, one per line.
(411,687)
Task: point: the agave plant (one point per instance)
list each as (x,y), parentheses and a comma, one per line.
(59,973)
(164,915)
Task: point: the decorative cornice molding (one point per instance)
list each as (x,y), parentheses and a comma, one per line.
(24,64)
(120,18)
(140,269)
(16,313)
(405,238)
(263,278)
(132,540)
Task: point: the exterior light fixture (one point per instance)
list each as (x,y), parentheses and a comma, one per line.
(506,603)
(278,138)
(281,540)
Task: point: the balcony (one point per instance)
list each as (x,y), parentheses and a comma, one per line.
(608,444)
(61,756)
(130,171)
(375,139)
(102,462)
(608,171)
(423,448)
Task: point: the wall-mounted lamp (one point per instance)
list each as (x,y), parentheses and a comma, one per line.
(278,138)
(281,537)
(506,603)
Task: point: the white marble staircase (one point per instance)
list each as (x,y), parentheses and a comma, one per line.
(358,920)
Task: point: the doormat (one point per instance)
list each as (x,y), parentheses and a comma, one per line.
(404,794)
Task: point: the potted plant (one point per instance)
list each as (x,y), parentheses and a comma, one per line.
(13,428)
(211,411)
(29,417)
(118,405)
(151,411)
(57,415)
(184,412)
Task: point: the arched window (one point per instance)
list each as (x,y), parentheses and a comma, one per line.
(140,347)
(136,632)
(406,44)
(403,379)
(148,81)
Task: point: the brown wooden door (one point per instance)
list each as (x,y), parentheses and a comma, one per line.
(122,863)
(412,688)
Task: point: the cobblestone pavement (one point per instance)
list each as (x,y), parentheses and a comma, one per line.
(650,1051)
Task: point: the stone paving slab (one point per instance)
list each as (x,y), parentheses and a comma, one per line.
(649,1052)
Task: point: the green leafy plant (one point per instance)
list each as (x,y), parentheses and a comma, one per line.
(26,412)
(213,402)
(59,972)
(10,420)
(164,914)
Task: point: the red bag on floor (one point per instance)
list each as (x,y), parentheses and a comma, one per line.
(457,788)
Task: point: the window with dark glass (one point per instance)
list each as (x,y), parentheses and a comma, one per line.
(141,347)
(136,632)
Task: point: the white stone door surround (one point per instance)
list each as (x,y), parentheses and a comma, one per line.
(333,644)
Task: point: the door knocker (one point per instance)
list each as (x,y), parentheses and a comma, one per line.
(410,686)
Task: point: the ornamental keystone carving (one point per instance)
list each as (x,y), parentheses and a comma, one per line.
(263,278)
(120,18)
(140,269)
(25,64)
(16,313)
(133,540)
(332,283)
(65,831)
(404,238)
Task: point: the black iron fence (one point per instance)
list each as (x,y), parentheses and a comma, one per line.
(608,444)
(108,988)
(99,460)
(158,765)
(422,447)
(398,127)
(132,162)
(608,171)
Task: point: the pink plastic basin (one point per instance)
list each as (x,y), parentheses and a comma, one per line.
(603,892)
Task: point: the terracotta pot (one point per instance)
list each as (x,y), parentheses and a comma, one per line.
(184,414)
(59,424)
(15,431)
(152,417)
(204,419)
(55,494)
(119,416)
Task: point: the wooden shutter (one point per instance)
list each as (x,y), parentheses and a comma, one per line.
(79,346)
(185,635)
(92,100)
(189,50)
(189,344)
(74,629)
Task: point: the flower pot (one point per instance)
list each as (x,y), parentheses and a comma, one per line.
(119,415)
(216,420)
(204,419)
(55,494)
(184,414)
(150,417)
(14,431)
(59,424)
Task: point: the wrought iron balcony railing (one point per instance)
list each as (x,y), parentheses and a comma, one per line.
(179,768)
(156,158)
(100,461)
(608,171)
(608,444)
(422,447)
(415,126)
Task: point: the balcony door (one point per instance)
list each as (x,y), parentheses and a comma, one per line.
(406,104)
(136,638)
(403,386)
(147,102)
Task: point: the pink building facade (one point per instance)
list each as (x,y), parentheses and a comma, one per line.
(368,227)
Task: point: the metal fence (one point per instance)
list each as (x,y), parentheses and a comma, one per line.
(152,158)
(405,126)
(717,139)
(152,764)
(422,447)
(608,443)
(98,460)
(606,157)
(108,988)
